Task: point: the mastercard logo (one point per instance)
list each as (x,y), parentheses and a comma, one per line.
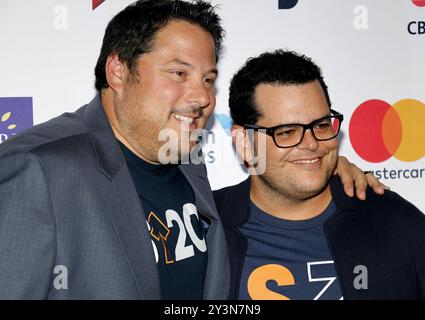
(379,131)
(419,3)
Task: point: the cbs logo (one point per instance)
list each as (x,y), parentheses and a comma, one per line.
(379,130)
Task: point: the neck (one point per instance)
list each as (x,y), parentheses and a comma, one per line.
(286,207)
(107,100)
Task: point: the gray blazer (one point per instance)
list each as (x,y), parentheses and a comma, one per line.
(71,222)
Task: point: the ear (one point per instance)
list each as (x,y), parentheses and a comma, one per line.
(242,145)
(116,72)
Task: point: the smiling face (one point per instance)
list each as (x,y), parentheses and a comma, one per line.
(173,89)
(303,171)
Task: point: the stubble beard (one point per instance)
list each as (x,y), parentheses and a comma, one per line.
(128,113)
(290,188)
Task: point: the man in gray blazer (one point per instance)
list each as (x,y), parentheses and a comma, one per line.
(88,210)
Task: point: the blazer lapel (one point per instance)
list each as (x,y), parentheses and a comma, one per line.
(122,202)
(129,222)
(217,279)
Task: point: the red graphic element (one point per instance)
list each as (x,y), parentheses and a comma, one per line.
(96,3)
(419,3)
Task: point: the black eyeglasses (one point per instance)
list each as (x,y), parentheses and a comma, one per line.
(291,135)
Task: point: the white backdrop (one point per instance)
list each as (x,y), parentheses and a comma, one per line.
(368,50)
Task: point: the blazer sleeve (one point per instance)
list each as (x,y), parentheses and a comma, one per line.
(27,229)
(419,255)
(415,240)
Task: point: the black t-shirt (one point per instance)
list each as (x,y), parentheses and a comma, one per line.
(177,233)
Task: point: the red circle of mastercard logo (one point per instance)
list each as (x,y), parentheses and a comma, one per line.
(379,130)
(419,3)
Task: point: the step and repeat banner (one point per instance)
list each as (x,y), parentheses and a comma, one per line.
(372,53)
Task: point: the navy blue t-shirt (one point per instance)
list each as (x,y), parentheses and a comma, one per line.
(288,259)
(177,233)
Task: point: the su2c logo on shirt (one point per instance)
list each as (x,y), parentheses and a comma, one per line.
(160,232)
(379,130)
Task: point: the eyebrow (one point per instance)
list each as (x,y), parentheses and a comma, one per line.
(186,64)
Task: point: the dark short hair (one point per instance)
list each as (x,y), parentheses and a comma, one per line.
(278,67)
(131,32)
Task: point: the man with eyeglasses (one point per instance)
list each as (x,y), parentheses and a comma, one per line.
(292,232)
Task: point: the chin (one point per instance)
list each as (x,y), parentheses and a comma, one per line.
(305,192)
(313,187)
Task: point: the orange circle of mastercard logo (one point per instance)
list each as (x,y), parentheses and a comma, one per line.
(379,130)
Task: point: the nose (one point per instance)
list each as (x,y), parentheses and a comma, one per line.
(199,94)
(308,142)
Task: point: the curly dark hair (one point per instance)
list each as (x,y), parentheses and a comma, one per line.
(277,67)
(131,32)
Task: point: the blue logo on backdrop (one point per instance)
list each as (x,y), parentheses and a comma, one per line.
(287,4)
(225,122)
(16,115)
